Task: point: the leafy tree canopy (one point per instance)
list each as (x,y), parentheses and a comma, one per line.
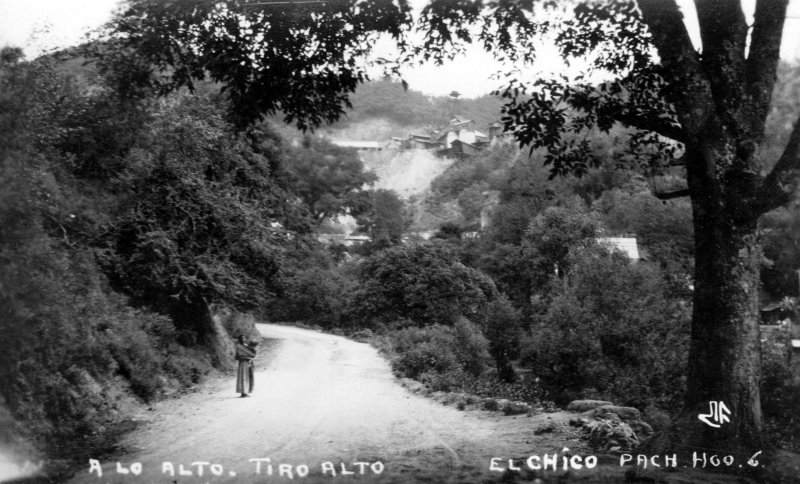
(330,180)
(197,222)
(422,282)
(386,219)
(551,236)
(610,320)
(501,322)
(302,59)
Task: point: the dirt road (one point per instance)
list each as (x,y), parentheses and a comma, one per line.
(327,409)
(322,405)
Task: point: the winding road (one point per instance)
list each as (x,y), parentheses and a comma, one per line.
(324,409)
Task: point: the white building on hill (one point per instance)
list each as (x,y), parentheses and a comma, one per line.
(626,245)
(360,145)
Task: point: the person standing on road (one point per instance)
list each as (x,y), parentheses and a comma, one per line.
(245,353)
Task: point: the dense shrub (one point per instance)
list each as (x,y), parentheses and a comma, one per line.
(443,357)
(549,238)
(196,223)
(421,350)
(525,389)
(502,328)
(663,229)
(422,282)
(70,346)
(474,172)
(526,243)
(471,347)
(315,295)
(610,331)
(69,343)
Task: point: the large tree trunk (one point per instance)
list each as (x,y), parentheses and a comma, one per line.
(724,357)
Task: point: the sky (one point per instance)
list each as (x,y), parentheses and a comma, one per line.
(40,25)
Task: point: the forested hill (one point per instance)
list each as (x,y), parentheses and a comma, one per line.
(388,100)
(383,109)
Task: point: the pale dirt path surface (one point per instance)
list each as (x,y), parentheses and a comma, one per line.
(321,398)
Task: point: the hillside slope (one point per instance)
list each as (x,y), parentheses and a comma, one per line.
(408,172)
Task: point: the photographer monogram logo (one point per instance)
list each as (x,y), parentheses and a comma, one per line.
(718,414)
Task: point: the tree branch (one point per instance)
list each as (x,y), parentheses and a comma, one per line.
(723,31)
(781,184)
(657,125)
(688,87)
(762,62)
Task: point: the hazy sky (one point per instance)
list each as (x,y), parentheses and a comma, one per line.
(37,25)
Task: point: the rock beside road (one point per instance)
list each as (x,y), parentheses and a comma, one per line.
(586,405)
(624,413)
(609,427)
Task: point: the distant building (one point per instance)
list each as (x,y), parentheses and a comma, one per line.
(457,139)
(356,239)
(626,245)
(495,130)
(496,133)
(459,130)
(460,148)
(360,145)
(415,142)
(331,239)
(343,239)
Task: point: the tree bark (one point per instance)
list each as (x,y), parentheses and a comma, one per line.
(724,356)
(724,361)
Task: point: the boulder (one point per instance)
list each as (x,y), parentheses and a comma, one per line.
(515,408)
(586,405)
(624,413)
